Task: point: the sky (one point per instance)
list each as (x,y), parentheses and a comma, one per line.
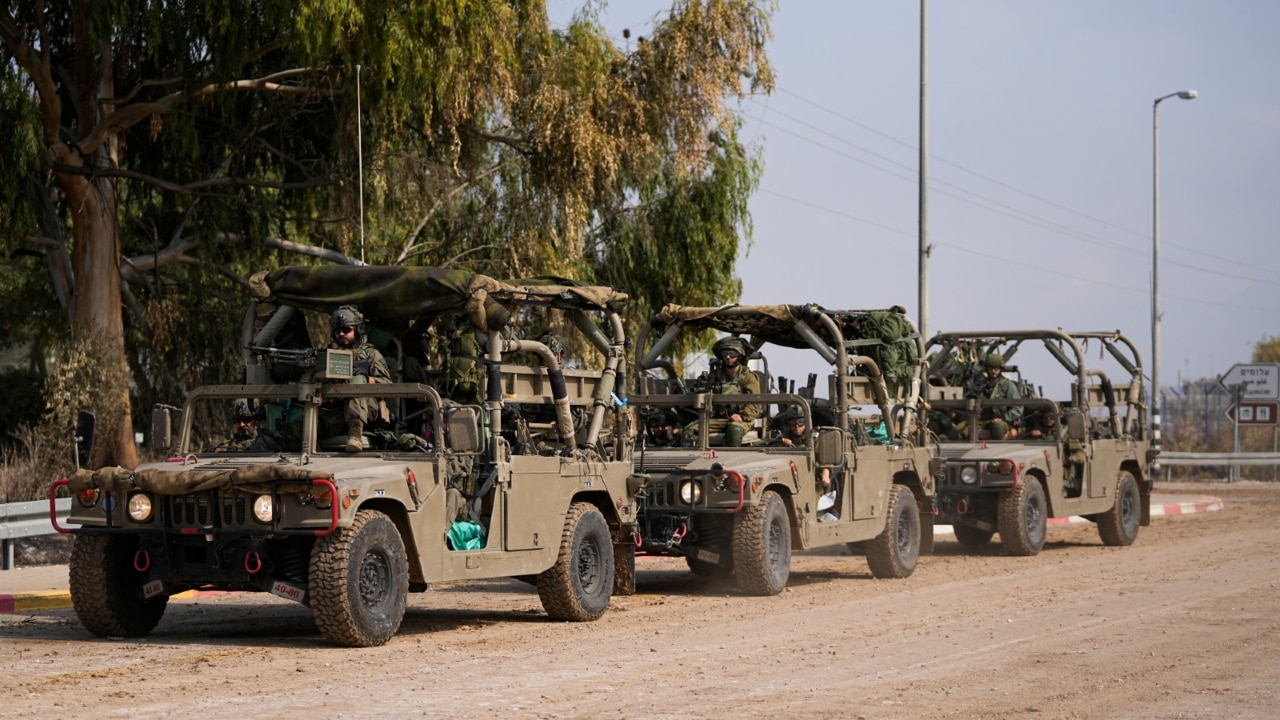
(1040,183)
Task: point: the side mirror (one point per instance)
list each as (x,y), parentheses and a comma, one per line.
(830,444)
(161,429)
(463,429)
(1076,429)
(86,423)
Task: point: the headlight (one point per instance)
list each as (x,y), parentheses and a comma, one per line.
(263,508)
(969,475)
(690,492)
(140,507)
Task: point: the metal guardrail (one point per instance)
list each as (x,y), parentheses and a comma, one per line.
(1217,458)
(27,519)
(1233,461)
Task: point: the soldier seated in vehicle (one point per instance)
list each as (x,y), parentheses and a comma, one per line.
(1042,424)
(998,423)
(248,434)
(347,330)
(731,376)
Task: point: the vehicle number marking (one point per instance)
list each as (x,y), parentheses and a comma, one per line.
(152,589)
(288,592)
(708,556)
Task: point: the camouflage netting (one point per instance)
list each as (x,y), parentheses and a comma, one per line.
(164,481)
(423,293)
(886,336)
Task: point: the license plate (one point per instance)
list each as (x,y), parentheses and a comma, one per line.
(708,556)
(289,592)
(152,589)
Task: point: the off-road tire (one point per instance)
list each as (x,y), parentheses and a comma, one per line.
(762,546)
(894,552)
(1023,518)
(970,536)
(1119,525)
(359,580)
(579,586)
(106,590)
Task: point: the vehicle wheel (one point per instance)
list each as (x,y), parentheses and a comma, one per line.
(1119,525)
(970,536)
(762,546)
(106,590)
(359,579)
(578,587)
(894,552)
(1023,518)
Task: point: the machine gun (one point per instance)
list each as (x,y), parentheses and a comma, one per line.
(297,357)
(329,363)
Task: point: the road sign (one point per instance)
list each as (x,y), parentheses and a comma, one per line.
(1261,380)
(1255,412)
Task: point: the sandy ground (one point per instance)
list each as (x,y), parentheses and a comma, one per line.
(1183,624)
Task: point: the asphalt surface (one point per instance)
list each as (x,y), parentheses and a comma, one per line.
(44,587)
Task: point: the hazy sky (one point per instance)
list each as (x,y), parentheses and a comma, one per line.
(1040,169)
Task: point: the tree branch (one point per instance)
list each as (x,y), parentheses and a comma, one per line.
(409,242)
(128,116)
(195,188)
(310,250)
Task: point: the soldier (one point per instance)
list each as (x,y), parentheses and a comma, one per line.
(248,435)
(793,431)
(347,331)
(732,377)
(999,423)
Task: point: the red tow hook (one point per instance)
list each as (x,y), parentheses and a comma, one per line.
(142,561)
(252,562)
(679,534)
(963,506)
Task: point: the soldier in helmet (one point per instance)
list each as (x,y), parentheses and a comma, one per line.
(347,332)
(248,435)
(730,377)
(999,422)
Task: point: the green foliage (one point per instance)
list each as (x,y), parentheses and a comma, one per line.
(1268,350)
(489,139)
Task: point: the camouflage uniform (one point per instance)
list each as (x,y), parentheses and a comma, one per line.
(367,365)
(1000,422)
(248,437)
(735,379)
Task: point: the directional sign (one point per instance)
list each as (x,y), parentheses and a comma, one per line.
(1261,381)
(1255,413)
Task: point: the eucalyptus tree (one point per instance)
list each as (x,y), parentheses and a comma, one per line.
(158,150)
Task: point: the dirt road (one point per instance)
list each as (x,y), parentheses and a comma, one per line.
(1184,624)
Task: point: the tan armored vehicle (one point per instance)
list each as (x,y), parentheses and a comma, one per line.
(740,510)
(1010,464)
(527,479)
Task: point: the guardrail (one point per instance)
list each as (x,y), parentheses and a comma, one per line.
(27,519)
(1231,460)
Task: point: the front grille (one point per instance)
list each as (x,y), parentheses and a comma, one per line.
(207,509)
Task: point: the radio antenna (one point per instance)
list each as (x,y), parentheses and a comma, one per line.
(360,159)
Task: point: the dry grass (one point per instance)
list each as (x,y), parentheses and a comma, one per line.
(28,468)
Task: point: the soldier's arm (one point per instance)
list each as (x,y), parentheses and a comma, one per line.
(750,386)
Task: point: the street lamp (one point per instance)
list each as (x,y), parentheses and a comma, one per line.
(1155,260)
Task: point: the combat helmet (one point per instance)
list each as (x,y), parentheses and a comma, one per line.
(731,342)
(240,410)
(993,360)
(347,316)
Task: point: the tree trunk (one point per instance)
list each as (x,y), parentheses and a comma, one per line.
(95,262)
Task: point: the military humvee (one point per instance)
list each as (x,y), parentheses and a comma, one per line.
(741,510)
(1084,455)
(349,534)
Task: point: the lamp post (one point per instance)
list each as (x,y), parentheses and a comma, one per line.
(1155,260)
